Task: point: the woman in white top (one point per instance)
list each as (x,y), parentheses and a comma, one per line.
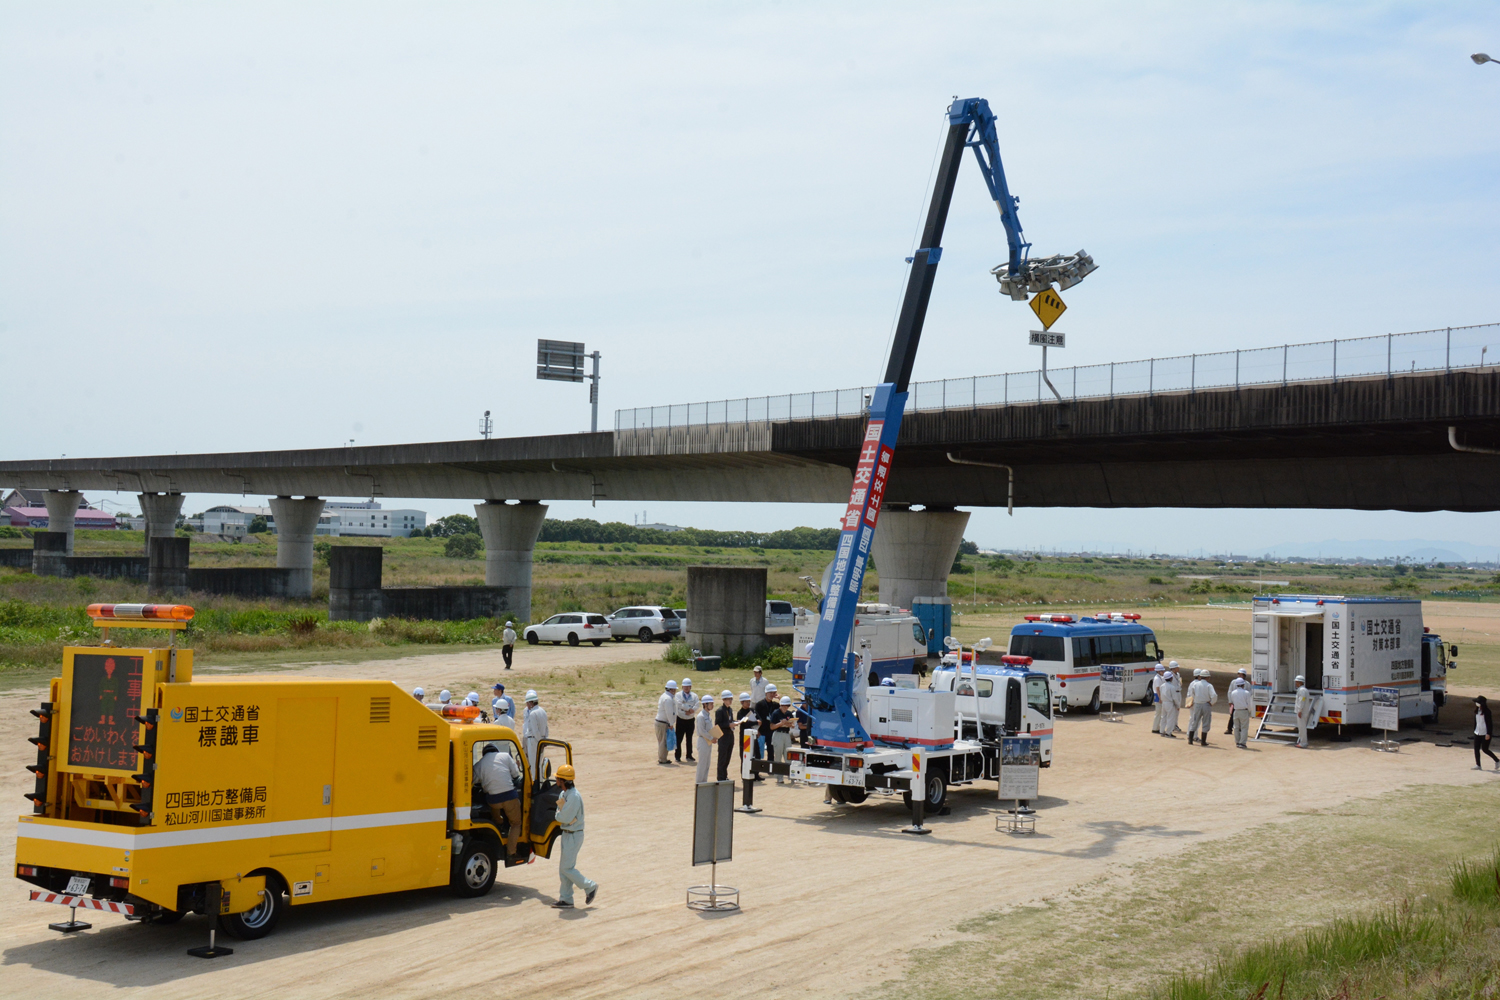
(703,730)
(1484,731)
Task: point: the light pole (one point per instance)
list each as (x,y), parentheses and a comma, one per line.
(1480,59)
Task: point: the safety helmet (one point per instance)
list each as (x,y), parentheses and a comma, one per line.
(472,697)
(770,687)
(497,703)
(671,685)
(1242,670)
(565,772)
(508,624)
(889,682)
(1159,668)
(786,700)
(445,696)
(417,692)
(687,682)
(726,694)
(531,696)
(744,696)
(1173,664)
(707,699)
(1300,679)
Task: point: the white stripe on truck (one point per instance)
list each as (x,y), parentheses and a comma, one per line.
(224,834)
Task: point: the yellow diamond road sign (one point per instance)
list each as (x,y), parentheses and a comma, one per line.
(1048,306)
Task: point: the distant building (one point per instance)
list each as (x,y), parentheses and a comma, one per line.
(662,527)
(368,519)
(36,517)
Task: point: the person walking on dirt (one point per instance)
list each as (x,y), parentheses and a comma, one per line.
(1484,731)
(703,732)
(570,818)
(1201,696)
(1239,711)
(508,643)
(534,729)
(1302,705)
(724,722)
(497,775)
(666,720)
(1158,678)
(757,685)
(687,711)
(1170,703)
(1242,680)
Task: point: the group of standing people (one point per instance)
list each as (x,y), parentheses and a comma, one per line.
(1201,696)
(502,712)
(703,724)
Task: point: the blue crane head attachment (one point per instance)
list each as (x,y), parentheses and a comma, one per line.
(832,670)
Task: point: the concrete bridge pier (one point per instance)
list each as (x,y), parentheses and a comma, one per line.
(510,532)
(914,550)
(62,511)
(160,511)
(296,525)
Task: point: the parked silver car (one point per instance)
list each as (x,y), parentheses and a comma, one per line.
(646,623)
(779,614)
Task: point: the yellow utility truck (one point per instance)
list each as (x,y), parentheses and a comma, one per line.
(157,792)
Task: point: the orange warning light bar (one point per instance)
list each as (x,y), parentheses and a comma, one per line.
(141,612)
(464,713)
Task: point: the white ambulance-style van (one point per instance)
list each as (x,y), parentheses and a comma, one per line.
(1071,649)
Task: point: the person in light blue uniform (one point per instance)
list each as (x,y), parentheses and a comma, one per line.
(570,817)
(502,707)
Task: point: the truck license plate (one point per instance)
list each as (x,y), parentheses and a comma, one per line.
(78,885)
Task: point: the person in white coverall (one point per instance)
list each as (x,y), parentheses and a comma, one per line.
(1241,681)
(1203,696)
(703,729)
(1239,711)
(534,729)
(666,719)
(1174,679)
(1157,680)
(1303,707)
(1171,701)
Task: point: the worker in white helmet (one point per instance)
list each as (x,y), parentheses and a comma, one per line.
(744,725)
(418,693)
(533,729)
(472,698)
(764,709)
(782,721)
(508,643)
(703,730)
(1158,678)
(1175,680)
(1239,710)
(724,727)
(666,720)
(687,712)
(1171,701)
(1241,679)
(757,685)
(1302,705)
(445,697)
(1202,697)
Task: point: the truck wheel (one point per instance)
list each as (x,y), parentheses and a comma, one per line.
(474,872)
(645,635)
(618,638)
(1146,699)
(597,642)
(1094,703)
(937,794)
(531,639)
(836,793)
(261,920)
(572,638)
(854,796)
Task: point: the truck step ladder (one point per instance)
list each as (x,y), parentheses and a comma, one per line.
(1282,711)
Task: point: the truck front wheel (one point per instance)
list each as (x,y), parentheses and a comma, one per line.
(474,872)
(260,921)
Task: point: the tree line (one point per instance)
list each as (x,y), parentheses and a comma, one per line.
(585,529)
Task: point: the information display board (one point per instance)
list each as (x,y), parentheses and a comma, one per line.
(105,697)
(1112,683)
(713,822)
(1385,708)
(1020,766)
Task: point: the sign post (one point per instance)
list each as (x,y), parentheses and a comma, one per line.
(562,361)
(1112,689)
(713,841)
(1020,767)
(1385,714)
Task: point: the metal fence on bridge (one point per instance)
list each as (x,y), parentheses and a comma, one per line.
(1448,349)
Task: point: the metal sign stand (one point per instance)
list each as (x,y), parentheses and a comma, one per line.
(1386,744)
(1385,715)
(1021,819)
(1115,693)
(713,841)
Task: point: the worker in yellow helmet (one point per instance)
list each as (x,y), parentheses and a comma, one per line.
(570,817)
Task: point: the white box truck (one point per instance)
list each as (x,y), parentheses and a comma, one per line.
(1345,647)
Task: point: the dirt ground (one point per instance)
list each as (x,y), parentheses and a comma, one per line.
(835,898)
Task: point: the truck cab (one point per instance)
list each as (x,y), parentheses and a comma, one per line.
(1011,702)
(895,638)
(1438,657)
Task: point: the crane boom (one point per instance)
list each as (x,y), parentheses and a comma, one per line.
(832,671)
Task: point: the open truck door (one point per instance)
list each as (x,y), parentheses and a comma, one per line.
(542,827)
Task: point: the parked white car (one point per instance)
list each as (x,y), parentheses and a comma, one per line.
(573,627)
(646,623)
(780,616)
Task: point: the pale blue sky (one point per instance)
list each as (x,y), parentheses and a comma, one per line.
(243,226)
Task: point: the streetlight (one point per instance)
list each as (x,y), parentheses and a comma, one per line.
(1480,59)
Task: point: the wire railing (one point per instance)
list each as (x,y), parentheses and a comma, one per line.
(1447,349)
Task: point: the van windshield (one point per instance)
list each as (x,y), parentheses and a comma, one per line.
(1038,647)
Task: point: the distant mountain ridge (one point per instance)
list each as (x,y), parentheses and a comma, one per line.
(1415,549)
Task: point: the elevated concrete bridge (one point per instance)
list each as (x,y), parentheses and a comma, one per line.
(1416,442)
